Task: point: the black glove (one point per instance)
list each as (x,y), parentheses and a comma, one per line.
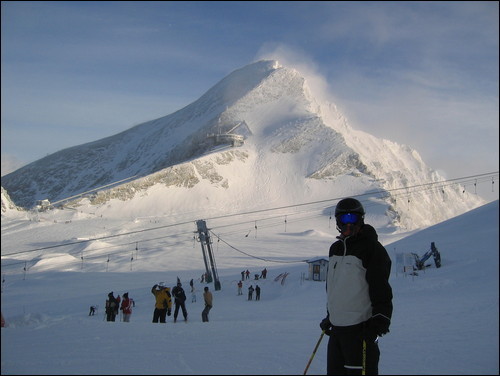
(376,326)
(169,312)
(326,326)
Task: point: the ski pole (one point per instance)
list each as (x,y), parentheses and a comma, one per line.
(363,372)
(314,351)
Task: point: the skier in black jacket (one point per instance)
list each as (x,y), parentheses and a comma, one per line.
(111,307)
(359,297)
(180,301)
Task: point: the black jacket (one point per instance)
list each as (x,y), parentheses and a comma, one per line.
(358,279)
(179,294)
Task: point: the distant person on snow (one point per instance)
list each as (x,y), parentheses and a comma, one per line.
(193,291)
(263,273)
(117,307)
(193,295)
(257,292)
(163,304)
(359,297)
(180,301)
(240,286)
(126,307)
(111,307)
(250,292)
(208,298)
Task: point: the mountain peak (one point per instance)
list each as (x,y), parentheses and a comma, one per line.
(257,138)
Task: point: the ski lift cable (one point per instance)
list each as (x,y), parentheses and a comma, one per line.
(385,193)
(417,189)
(256,257)
(97,238)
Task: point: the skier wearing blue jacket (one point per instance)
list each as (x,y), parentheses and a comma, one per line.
(359,296)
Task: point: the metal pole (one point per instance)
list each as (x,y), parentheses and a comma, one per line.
(363,372)
(314,351)
(204,237)
(202,229)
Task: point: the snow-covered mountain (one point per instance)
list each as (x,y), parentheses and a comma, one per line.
(6,203)
(258,139)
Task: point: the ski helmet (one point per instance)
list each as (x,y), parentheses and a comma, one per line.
(349,205)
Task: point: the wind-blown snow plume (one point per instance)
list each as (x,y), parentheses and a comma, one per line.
(288,149)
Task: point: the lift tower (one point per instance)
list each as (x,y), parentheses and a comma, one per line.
(206,249)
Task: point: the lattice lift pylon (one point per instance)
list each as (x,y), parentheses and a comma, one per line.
(208,256)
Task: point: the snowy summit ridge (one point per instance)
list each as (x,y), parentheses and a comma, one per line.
(257,139)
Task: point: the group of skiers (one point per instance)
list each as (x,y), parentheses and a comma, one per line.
(245,274)
(163,303)
(113,307)
(163,306)
(164,299)
(251,290)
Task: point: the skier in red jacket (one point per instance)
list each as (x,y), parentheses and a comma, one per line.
(126,307)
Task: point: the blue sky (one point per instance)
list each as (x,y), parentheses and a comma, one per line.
(423,74)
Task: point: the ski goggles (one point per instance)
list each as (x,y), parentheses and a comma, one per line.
(349,218)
